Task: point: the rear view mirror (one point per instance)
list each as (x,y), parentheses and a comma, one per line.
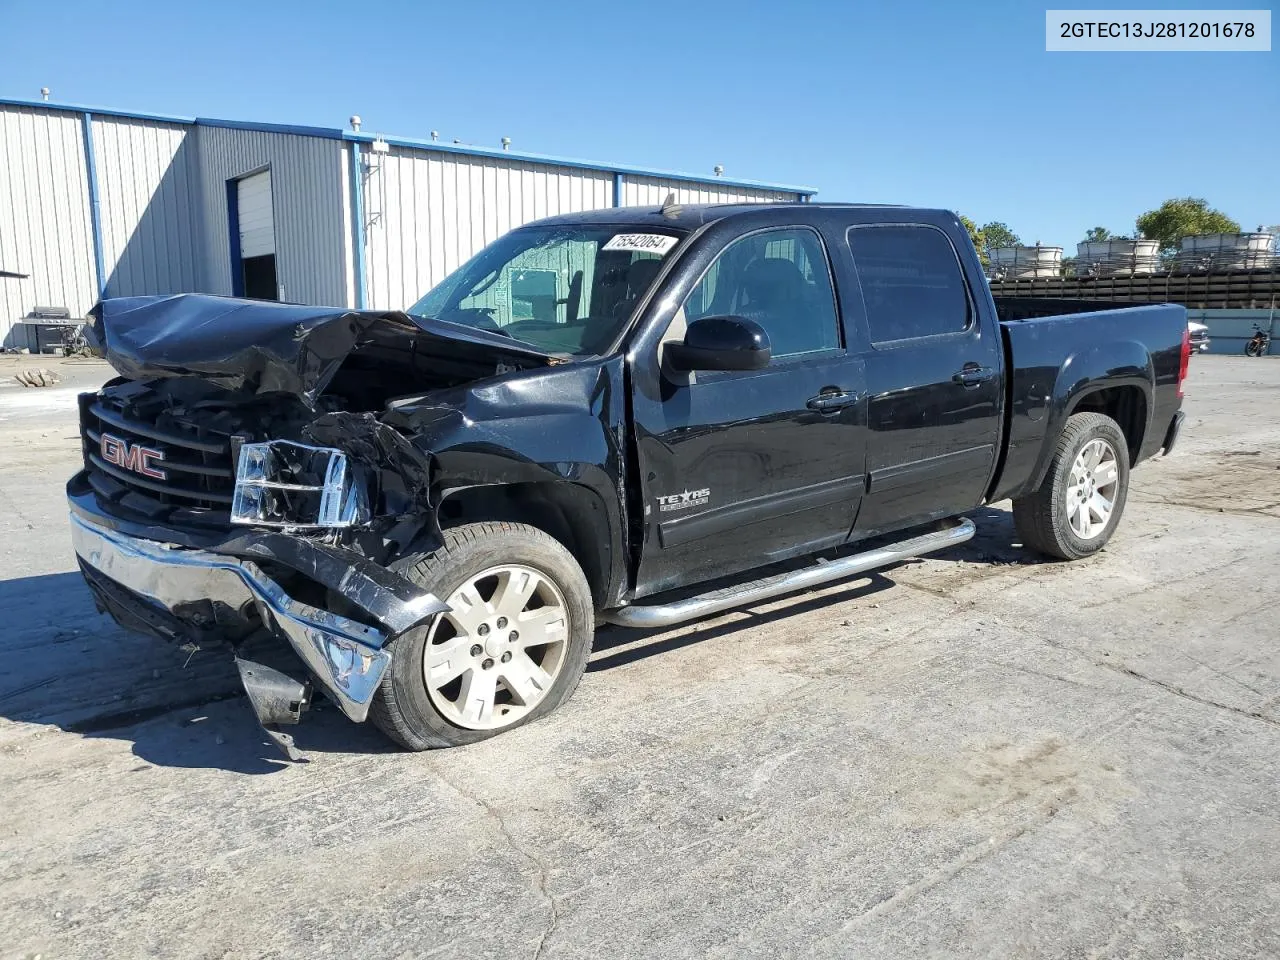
(721,343)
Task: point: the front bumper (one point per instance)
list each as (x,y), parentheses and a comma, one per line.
(162,588)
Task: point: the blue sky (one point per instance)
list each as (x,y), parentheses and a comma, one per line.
(941,103)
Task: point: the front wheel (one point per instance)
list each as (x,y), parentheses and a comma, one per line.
(1253,349)
(1078,505)
(511,648)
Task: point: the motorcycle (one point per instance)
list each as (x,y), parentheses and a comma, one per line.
(1257,346)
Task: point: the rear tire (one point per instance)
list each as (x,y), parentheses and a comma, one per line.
(1078,505)
(511,650)
(1253,349)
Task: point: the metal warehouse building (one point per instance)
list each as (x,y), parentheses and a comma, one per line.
(100,202)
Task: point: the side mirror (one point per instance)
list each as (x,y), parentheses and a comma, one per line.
(721,343)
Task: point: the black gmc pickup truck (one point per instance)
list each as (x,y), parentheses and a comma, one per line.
(605,416)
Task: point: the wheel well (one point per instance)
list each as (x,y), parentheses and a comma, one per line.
(1127,406)
(570,513)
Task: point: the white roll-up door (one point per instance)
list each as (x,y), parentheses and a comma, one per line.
(257,228)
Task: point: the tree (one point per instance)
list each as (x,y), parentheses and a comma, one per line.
(997,234)
(1184,217)
(989,236)
(976,236)
(1097,235)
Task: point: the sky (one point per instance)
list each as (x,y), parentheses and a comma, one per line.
(950,104)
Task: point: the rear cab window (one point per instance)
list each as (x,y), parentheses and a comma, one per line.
(911,280)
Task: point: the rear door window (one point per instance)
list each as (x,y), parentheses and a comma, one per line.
(911,282)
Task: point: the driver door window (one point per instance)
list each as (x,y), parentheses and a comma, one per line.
(782,281)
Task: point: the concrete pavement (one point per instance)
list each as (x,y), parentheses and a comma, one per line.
(979,754)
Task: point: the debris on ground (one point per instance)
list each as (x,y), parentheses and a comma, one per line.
(37,378)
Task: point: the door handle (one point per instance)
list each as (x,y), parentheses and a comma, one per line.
(833,399)
(973,374)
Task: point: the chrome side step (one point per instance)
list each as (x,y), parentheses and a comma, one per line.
(739,595)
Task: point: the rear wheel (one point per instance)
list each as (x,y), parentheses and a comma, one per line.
(1076,509)
(1253,349)
(511,648)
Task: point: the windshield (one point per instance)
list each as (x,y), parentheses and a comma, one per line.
(562,289)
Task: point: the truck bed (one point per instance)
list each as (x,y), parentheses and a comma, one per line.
(1067,356)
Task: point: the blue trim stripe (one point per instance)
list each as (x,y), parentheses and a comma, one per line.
(95,207)
(357,224)
(331,133)
(498,153)
(94,109)
(617,188)
(233,236)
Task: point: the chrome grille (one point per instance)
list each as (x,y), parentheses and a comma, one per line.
(197,458)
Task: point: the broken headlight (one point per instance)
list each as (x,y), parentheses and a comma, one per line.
(286,484)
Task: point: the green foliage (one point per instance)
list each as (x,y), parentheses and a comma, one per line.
(997,234)
(1184,217)
(1097,235)
(976,236)
(989,236)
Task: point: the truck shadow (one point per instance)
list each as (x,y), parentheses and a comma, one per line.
(611,638)
(69,667)
(996,542)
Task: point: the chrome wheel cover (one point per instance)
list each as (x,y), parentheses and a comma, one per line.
(494,655)
(1091,489)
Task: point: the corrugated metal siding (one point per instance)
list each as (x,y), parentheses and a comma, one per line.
(652,191)
(428,212)
(162,187)
(44,214)
(144,195)
(311,234)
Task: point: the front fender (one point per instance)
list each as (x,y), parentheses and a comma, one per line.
(559,425)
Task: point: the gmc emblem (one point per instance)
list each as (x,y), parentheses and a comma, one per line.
(133,457)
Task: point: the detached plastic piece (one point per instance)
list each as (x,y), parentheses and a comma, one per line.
(276,698)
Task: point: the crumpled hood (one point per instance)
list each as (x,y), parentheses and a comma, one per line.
(256,345)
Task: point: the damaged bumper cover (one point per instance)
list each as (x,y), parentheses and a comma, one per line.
(181,585)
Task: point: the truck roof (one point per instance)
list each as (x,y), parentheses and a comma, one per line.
(691,215)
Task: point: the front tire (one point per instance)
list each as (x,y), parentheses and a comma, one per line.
(1078,506)
(511,649)
(1252,349)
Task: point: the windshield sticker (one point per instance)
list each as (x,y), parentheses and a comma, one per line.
(658,243)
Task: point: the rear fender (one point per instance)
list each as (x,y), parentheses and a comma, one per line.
(1116,363)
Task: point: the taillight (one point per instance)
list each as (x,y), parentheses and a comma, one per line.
(1185,364)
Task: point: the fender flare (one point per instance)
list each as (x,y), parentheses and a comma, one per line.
(1103,366)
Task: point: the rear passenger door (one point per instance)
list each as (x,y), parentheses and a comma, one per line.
(934,378)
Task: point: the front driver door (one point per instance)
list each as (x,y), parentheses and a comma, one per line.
(741,468)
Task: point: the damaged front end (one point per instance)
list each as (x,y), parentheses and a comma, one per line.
(183,593)
(238,480)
